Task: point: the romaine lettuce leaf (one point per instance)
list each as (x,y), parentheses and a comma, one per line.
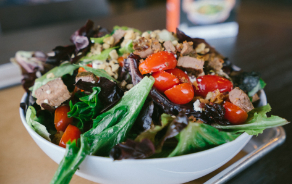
(261,84)
(109,129)
(99,40)
(72,159)
(256,122)
(98,72)
(102,56)
(32,121)
(127,49)
(198,137)
(87,108)
(52,75)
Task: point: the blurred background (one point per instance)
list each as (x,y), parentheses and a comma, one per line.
(54,21)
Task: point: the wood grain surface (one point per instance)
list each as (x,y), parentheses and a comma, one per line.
(264,44)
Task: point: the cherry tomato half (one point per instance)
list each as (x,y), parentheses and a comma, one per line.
(234,114)
(71,133)
(181,75)
(164,80)
(157,62)
(209,83)
(180,94)
(61,118)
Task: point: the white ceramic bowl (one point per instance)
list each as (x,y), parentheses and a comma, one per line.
(163,170)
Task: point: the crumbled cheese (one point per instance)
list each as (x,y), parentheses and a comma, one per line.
(109,40)
(46,101)
(50,75)
(113,54)
(129,86)
(96,64)
(38,74)
(123,83)
(146,35)
(105,46)
(130,35)
(48,92)
(197,107)
(92,82)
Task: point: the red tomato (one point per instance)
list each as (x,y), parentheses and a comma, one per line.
(121,61)
(81,69)
(157,62)
(164,80)
(71,133)
(234,114)
(180,94)
(61,118)
(181,75)
(209,83)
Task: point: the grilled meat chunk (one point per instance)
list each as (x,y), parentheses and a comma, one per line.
(54,93)
(239,98)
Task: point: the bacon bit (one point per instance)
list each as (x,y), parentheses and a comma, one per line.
(216,97)
(199,121)
(192,119)
(196,85)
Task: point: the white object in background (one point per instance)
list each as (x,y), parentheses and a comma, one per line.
(228,29)
(10,74)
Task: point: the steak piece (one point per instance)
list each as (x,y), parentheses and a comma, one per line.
(216,64)
(169,46)
(187,48)
(86,77)
(142,47)
(191,64)
(239,98)
(53,93)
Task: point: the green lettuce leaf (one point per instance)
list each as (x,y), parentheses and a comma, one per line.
(33,121)
(102,56)
(72,159)
(261,84)
(87,109)
(99,73)
(152,132)
(100,39)
(56,72)
(109,129)
(198,137)
(128,48)
(256,122)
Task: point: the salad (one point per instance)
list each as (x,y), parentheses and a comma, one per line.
(125,94)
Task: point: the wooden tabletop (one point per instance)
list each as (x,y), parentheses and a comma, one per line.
(264,44)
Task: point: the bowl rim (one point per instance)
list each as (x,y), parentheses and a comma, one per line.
(149,160)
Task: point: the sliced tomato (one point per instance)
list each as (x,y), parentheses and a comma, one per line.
(164,80)
(71,133)
(181,75)
(157,62)
(209,83)
(61,118)
(234,114)
(180,94)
